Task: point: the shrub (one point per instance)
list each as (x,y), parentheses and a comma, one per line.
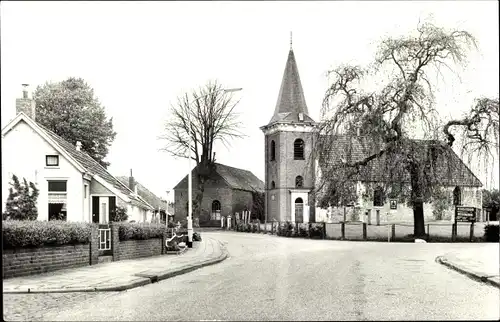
(303,231)
(316,231)
(140,231)
(440,204)
(120,214)
(18,234)
(241,226)
(21,202)
(196,236)
(491,233)
(285,229)
(196,223)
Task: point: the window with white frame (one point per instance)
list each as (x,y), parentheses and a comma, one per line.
(57,199)
(52,160)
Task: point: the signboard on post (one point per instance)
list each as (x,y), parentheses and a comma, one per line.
(465,214)
(394,204)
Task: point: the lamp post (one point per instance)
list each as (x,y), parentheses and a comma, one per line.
(190,179)
(166,215)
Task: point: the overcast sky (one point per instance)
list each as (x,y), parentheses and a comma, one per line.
(139,56)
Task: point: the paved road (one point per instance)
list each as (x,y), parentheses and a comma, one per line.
(275,278)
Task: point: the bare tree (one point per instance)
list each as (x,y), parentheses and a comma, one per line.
(197,121)
(477,130)
(381,124)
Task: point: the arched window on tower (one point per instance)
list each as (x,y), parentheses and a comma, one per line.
(457,196)
(273,185)
(299,182)
(378,197)
(215,210)
(273,150)
(298,149)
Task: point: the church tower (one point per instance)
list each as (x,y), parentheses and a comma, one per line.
(289,140)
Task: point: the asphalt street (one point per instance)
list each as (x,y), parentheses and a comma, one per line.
(276,278)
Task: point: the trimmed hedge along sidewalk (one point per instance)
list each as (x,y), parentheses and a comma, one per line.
(140,231)
(34,247)
(27,234)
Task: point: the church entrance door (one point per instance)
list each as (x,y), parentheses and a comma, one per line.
(299,210)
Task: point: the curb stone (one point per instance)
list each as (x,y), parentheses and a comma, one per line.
(145,278)
(54,290)
(474,275)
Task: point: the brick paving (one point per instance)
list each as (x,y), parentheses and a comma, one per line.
(109,276)
(49,290)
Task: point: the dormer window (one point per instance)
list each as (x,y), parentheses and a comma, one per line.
(52,160)
(301,117)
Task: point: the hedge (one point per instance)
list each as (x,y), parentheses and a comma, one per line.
(140,231)
(491,233)
(32,233)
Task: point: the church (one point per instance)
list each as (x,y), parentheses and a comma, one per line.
(290,176)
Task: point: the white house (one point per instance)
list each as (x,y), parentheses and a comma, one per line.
(459,184)
(162,211)
(70,182)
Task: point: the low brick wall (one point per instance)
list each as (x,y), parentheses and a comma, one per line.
(131,249)
(29,261)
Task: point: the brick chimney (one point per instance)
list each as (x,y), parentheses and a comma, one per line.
(78,146)
(26,104)
(131,183)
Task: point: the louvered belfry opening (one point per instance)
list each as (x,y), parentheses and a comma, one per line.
(298,149)
(273,150)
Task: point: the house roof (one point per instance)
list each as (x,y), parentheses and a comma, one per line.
(84,160)
(235,178)
(450,169)
(239,178)
(291,99)
(146,194)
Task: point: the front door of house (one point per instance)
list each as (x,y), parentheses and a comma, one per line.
(103,208)
(299,210)
(95,210)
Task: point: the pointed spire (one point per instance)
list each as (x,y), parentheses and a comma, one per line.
(291,105)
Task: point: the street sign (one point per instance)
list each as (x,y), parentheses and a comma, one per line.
(465,214)
(394,204)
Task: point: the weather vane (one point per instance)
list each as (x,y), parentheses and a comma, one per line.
(290,40)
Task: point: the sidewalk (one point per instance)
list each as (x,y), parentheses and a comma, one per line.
(482,264)
(120,275)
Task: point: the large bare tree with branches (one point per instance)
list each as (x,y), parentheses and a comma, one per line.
(383,124)
(197,121)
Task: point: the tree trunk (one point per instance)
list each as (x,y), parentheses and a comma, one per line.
(418,219)
(417,200)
